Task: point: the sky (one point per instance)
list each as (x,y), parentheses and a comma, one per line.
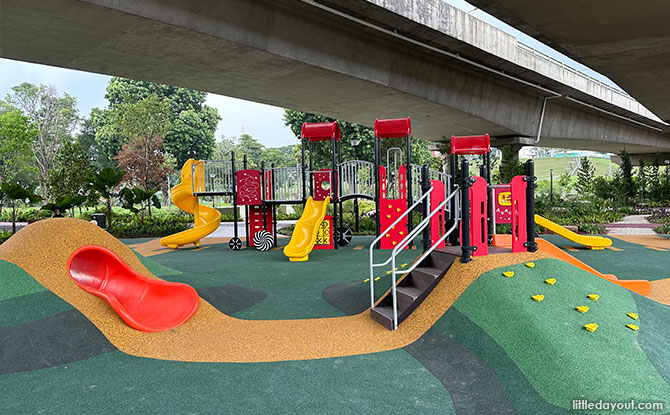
(262,121)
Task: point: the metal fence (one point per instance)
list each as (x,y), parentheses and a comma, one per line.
(357,178)
(286,184)
(212,177)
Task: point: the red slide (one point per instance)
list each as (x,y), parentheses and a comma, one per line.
(144,304)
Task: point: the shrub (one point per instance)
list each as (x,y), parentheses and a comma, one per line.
(160,224)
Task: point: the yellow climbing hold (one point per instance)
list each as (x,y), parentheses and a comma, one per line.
(388,235)
(582,308)
(633,327)
(591,327)
(550,281)
(377,279)
(593,297)
(388,272)
(397,209)
(390,206)
(388,216)
(530,264)
(366,280)
(508,274)
(404,265)
(632,315)
(401,233)
(538,297)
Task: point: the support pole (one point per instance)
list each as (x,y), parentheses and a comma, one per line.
(377,188)
(466,183)
(334,189)
(234,181)
(425,186)
(264,196)
(489,198)
(356,215)
(408,187)
(311,170)
(530,180)
(304,173)
(246,208)
(453,237)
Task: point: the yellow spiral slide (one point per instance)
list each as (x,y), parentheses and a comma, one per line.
(207,219)
(304,233)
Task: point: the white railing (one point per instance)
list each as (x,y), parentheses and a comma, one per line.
(410,236)
(212,176)
(357,178)
(285,184)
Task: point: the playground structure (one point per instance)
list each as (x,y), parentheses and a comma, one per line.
(392,187)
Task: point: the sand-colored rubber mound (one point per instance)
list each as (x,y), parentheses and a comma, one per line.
(42,250)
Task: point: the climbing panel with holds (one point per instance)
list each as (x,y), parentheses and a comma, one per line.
(390,210)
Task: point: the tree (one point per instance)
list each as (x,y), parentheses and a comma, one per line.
(14,192)
(627,179)
(145,123)
(585,177)
(53,117)
(224,148)
(643,179)
(510,165)
(72,169)
(250,147)
(105,183)
(16,135)
(136,196)
(65,203)
(192,123)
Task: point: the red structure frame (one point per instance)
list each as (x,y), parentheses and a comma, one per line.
(472,144)
(321,131)
(393,128)
(519,228)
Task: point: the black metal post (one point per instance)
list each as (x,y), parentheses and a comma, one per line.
(246,207)
(273,205)
(425,186)
(274,223)
(530,179)
(311,170)
(377,188)
(302,164)
(489,197)
(264,196)
(466,183)
(356,214)
(333,188)
(453,237)
(408,187)
(551,185)
(232,164)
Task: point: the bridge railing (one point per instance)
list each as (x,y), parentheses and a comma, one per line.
(357,178)
(212,177)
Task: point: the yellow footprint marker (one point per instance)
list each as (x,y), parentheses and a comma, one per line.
(632,315)
(582,308)
(591,327)
(550,281)
(508,274)
(538,297)
(593,297)
(530,264)
(633,327)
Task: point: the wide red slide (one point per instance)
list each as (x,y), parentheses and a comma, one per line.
(144,304)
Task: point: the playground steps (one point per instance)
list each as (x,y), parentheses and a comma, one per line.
(413,288)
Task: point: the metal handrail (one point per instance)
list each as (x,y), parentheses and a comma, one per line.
(405,241)
(377,239)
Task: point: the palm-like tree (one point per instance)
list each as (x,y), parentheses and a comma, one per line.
(14,192)
(105,182)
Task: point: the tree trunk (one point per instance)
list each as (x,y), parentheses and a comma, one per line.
(109,213)
(13,219)
(149,205)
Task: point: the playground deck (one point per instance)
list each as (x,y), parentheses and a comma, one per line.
(473,347)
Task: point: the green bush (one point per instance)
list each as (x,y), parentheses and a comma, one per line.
(25,215)
(162,223)
(592,228)
(4,235)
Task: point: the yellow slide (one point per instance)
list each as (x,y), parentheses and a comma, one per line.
(207,219)
(591,242)
(304,233)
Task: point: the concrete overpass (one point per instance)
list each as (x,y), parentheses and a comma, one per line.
(353,60)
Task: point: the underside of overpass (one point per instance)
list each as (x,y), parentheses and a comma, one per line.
(307,56)
(627,41)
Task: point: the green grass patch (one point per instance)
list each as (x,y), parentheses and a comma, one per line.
(547,339)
